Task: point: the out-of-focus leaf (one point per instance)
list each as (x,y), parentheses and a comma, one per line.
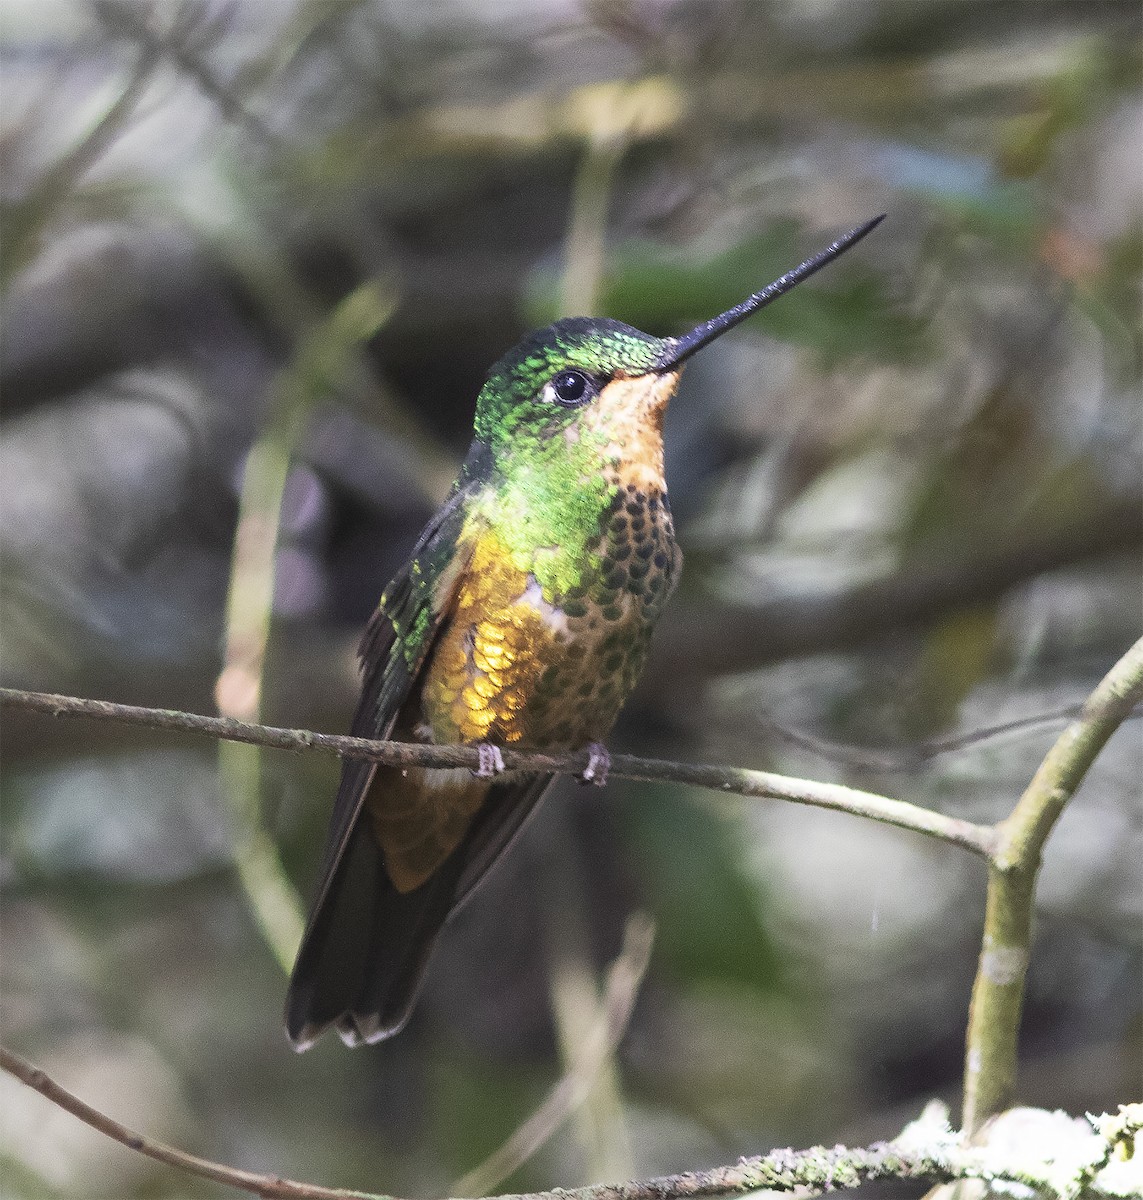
(707,909)
(479,1104)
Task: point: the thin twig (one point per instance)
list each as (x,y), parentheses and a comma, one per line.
(587,231)
(247,1181)
(622,987)
(190,32)
(998,991)
(943,1156)
(314,368)
(62,177)
(915,756)
(272,900)
(729,780)
(599,1124)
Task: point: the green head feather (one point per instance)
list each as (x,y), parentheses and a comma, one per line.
(510,405)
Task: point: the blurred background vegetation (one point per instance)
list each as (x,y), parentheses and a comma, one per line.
(909,496)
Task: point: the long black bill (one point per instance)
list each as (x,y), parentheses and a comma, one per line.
(679,349)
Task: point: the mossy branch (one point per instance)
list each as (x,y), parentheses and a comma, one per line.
(926,1150)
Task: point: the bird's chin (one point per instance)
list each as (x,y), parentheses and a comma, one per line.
(629,415)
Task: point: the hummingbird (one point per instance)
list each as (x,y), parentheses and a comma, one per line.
(521,619)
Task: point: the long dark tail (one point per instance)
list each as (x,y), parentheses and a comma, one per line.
(367,945)
(365,951)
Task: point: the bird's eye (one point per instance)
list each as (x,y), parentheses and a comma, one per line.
(570,388)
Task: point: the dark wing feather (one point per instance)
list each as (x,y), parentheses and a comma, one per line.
(393,648)
(357,915)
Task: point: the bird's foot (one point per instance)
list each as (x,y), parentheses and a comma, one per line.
(491,761)
(598,764)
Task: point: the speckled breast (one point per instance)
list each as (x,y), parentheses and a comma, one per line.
(520,668)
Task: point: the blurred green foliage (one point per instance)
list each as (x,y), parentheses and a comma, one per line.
(190,192)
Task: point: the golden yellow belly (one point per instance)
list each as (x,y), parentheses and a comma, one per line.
(511,668)
(503,656)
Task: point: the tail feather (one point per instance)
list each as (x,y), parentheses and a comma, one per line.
(363,957)
(365,950)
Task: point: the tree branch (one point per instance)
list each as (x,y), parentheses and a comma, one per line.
(998,991)
(729,780)
(247,1181)
(914,756)
(922,1152)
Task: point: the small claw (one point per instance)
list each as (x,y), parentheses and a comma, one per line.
(491,761)
(598,764)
